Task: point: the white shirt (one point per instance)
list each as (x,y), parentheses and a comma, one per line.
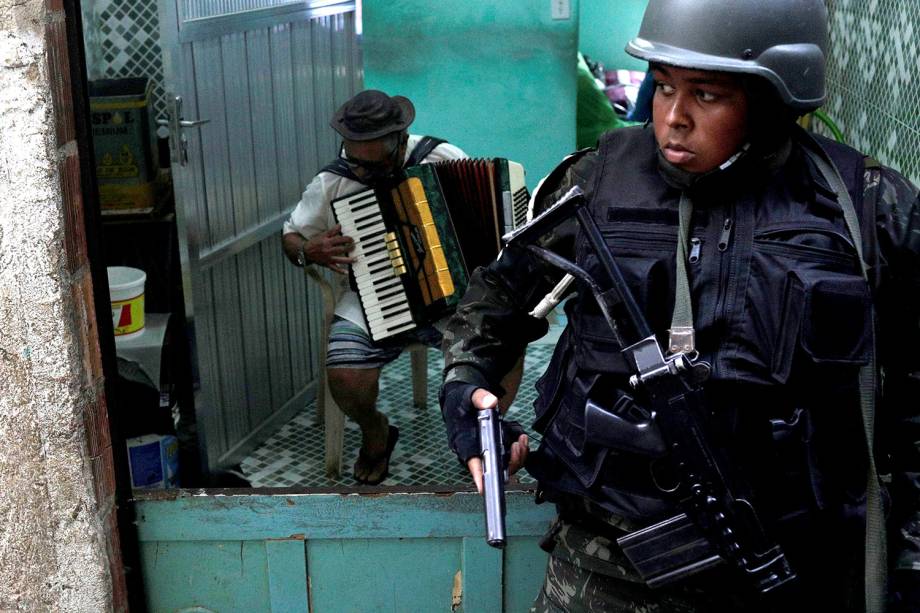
(313,215)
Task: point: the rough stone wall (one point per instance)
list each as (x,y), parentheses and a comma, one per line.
(55,507)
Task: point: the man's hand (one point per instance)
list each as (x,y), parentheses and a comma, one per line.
(329,249)
(483,399)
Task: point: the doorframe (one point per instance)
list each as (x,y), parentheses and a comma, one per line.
(70,100)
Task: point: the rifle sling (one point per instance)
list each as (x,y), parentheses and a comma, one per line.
(876,543)
(682,319)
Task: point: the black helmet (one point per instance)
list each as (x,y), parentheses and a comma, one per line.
(782,41)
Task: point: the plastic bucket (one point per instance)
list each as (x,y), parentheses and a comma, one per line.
(126,286)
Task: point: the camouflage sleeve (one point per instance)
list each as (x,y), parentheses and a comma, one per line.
(491,326)
(897,206)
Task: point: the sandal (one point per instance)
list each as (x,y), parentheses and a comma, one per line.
(368,460)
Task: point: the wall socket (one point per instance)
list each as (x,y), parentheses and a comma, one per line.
(560,9)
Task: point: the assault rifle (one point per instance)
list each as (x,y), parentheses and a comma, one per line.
(718,523)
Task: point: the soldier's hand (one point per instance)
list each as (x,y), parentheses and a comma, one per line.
(483,399)
(330,249)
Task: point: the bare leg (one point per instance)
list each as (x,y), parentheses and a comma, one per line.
(355,391)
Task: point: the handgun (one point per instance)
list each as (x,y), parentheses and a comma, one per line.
(494,475)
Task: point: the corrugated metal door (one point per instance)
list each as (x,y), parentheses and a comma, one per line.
(266,75)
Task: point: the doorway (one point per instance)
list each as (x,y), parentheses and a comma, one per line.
(237,98)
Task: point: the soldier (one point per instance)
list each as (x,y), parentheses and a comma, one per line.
(782,308)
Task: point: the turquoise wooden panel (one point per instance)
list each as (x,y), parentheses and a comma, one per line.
(219,576)
(287,576)
(482,576)
(380,515)
(328,553)
(523,566)
(360,575)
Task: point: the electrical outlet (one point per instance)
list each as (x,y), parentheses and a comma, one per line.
(560,9)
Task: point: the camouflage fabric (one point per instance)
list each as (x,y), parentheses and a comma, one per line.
(587,572)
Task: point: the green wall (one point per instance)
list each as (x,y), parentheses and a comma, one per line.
(605,28)
(495,78)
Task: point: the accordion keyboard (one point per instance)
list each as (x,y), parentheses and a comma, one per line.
(377,267)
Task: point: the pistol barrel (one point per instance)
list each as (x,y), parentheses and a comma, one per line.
(493,475)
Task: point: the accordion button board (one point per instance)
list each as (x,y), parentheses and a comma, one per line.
(417,239)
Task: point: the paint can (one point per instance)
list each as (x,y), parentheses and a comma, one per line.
(123,139)
(126,287)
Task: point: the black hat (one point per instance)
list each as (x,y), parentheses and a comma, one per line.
(372,114)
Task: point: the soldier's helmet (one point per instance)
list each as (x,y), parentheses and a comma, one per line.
(782,41)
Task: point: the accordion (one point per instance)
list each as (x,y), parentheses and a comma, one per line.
(418,238)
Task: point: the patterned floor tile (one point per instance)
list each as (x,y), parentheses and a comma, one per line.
(294,455)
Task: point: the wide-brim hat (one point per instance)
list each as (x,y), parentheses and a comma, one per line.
(372,114)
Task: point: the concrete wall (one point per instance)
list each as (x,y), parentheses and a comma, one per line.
(495,78)
(55,485)
(605,26)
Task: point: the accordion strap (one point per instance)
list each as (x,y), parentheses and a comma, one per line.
(421,150)
(339,167)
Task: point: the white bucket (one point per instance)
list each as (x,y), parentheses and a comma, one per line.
(126,286)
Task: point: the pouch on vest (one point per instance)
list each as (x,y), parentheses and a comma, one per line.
(804,291)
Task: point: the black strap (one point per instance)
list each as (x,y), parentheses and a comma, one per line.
(339,167)
(421,150)
(876,542)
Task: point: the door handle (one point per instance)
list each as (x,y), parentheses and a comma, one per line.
(183,123)
(191,123)
(178,141)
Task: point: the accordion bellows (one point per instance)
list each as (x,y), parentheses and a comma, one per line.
(418,238)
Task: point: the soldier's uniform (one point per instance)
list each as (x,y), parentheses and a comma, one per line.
(784,311)
(812,489)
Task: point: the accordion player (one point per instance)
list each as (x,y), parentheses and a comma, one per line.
(417,239)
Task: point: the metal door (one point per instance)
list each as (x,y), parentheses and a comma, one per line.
(251,85)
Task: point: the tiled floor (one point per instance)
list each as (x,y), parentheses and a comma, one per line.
(294,455)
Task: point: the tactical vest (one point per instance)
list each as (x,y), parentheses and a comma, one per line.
(781,314)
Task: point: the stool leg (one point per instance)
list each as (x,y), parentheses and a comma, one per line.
(334,432)
(420,377)
(321,383)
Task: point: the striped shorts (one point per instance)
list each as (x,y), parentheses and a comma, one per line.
(351,347)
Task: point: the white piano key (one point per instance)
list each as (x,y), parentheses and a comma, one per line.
(385,294)
(384,326)
(387,333)
(372,280)
(371,304)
